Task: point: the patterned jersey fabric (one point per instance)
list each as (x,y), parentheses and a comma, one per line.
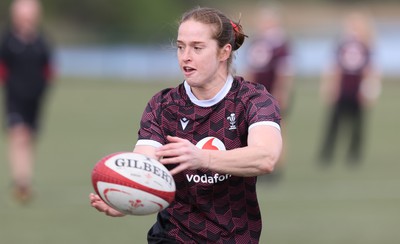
(210,207)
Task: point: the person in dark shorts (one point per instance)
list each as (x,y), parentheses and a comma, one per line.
(25,70)
(349,87)
(216,133)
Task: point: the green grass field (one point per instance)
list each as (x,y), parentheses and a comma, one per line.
(85,120)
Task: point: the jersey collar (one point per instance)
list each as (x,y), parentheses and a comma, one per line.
(216,99)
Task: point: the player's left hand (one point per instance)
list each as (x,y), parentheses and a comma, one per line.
(101,206)
(184,153)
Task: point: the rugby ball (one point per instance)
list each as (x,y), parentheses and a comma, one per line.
(133,183)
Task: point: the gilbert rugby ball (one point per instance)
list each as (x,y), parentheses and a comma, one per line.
(133,183)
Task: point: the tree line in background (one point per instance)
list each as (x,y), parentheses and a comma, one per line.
(138,21)
(112,21)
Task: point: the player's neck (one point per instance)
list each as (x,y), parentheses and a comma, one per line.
(25,36)
(213,95)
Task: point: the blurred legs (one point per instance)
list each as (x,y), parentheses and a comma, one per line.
(21,160)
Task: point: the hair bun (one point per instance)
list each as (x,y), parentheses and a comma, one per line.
(239,35)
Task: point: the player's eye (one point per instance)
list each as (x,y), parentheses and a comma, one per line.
(179,47)
(197,49)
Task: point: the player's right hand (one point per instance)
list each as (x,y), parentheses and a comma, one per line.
(101,206)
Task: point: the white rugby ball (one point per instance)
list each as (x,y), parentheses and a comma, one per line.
(133,183)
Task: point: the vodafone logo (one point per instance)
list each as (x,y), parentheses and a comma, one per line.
(211,143)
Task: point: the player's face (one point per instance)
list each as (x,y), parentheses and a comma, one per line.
(25,16)
(199,56)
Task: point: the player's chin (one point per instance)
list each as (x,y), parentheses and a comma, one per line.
(191,75)
(189,78)
(193,81)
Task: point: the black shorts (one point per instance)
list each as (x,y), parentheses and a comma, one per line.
(20,111)
(156,236)
(159,240)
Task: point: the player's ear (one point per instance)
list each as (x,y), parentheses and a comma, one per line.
(225,52)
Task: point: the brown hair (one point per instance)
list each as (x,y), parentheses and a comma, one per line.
(361,26)
(226,31)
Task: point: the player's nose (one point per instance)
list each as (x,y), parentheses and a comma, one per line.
(186,55)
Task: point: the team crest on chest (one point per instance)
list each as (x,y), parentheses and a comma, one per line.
(232,121)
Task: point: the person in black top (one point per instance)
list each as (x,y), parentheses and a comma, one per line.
(25,72)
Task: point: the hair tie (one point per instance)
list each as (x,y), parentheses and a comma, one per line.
(235,27)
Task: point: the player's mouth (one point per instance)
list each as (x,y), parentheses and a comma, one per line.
(188,70)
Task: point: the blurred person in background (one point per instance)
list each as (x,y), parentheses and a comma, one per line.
(349,87)
(268,61)
(25,72)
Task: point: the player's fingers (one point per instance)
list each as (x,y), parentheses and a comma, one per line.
(93,197)
(177,141)
(113,213)
(101,206)
(169,152)
(172,145)
(166,148)
(98,203)
(174,139)
(174,159)
(98,206)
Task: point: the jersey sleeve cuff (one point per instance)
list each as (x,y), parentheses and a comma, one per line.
(144,142)
(269,123)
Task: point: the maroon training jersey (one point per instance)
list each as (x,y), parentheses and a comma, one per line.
(210,207)
(268,56)
(353,57)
